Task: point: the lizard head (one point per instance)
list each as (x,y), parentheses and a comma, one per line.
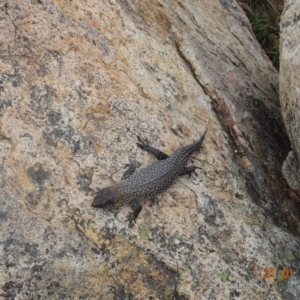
(107,197)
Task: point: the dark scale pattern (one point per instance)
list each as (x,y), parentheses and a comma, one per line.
(149,181)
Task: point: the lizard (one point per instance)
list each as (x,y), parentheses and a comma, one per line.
(149,181)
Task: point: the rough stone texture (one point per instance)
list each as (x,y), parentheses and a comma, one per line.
(290,88)
(79,80)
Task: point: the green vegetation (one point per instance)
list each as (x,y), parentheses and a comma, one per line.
(224,276)
(184,268)
(144,234)
(182,237)
(121,233)
(290,256)
(264,17)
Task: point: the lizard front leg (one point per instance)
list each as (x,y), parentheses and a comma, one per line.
(137,207)
(153,201)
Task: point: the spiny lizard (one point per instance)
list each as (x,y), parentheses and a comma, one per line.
(149,181)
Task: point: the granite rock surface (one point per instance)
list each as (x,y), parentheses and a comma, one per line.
(289,82)
(79,80)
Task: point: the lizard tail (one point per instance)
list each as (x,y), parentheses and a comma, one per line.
(189,149)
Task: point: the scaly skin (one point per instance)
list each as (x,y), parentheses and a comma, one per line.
(148,182)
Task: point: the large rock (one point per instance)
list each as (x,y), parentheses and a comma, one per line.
(290,88)
(79,80)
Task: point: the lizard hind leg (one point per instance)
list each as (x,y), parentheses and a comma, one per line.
(131,169)
(189,171)
(144,145)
